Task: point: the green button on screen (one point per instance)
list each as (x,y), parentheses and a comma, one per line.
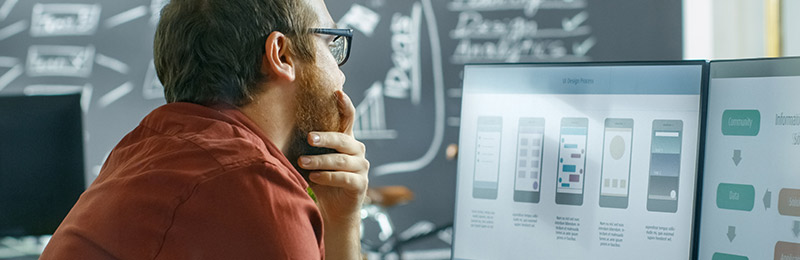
(735,196)
(741,122)
(721,256)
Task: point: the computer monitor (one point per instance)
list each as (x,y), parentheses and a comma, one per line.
(578,161)
(41,162)
(750,207)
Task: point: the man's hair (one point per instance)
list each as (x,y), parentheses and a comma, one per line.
(209,51)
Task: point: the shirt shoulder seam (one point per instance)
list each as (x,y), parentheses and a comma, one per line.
(218,173)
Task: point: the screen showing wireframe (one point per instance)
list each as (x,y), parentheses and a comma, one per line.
(578,161)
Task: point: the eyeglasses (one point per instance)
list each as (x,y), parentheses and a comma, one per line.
(340,46)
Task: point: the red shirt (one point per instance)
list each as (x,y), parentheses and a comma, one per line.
(193,182)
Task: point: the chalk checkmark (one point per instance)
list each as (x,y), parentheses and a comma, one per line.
(572,24)
(581,49)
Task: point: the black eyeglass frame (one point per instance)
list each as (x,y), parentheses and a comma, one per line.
(347,33)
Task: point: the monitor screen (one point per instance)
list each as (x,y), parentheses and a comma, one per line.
(750,206)
(578,161)
(41,162)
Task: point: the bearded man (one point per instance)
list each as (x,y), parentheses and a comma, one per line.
(255,114)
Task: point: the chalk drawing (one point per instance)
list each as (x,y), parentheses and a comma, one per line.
(50,90)
(60,60)
(64,19)
(13,29)
(439,103)
(8,62)
(580,49)
(570,24)
(10,76)
(111,63)
(125,17)
(5,9)
(360,18)
(370,119)
(115,94)
(529,6)
(152,88)
(403,80)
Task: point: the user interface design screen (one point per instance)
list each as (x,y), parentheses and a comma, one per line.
(578,161)
(751,184)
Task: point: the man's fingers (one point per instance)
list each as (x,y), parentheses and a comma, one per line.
(340,142)
(347,112)
(334,162)
(345,180)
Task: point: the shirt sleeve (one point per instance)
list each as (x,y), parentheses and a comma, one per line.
(250,212)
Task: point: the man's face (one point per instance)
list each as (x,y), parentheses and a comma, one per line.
(317,107)
(325,61)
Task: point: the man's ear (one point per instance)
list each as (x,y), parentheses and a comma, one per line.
(278,61)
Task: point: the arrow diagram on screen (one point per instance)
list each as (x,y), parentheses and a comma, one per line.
(767,200)
(737,157)
(796,228)
(731,233)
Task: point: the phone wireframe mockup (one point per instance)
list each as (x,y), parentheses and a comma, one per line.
(487,157)
(665,166)
(530,144)
(615,173)
(571,161)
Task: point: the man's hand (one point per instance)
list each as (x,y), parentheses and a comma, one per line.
(339,182)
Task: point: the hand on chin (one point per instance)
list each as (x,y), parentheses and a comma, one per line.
(338,173)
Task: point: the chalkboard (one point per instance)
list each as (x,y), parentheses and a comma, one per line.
(407,60)
(404,73)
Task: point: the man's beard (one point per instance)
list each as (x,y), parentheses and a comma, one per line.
(317,110)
